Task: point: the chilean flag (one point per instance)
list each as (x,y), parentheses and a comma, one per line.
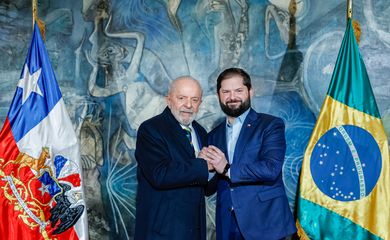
(41,192)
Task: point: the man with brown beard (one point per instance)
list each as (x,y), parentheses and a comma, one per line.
(247,151)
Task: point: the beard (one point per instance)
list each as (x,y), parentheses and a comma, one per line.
(235,112)
(181,119)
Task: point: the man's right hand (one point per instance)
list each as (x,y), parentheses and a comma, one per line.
(216,157)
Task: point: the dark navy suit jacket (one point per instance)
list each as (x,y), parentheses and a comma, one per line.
(255,189)
(170,193)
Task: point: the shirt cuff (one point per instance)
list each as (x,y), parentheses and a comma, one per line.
(211,175)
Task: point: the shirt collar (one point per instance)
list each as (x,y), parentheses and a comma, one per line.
(240,119)
(189,126)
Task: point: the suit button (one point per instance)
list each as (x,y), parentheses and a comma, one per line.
(231,189)
(231,209)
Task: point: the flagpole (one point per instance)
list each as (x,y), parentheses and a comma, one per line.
(35,19)
(349,9)
(34,11)
(355,24)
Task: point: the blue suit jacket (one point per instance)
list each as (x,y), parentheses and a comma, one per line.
(255,189)
(170,194)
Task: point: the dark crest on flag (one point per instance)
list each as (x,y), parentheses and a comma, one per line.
(63,212)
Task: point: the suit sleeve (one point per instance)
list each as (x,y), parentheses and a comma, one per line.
(211,186)
(269,161)
(158,166)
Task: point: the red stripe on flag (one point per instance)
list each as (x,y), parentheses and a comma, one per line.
(73,179)
(8,148)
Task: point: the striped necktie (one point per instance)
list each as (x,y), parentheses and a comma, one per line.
(187,131)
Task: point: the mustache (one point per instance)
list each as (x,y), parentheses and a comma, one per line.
(187,111)
(233,101)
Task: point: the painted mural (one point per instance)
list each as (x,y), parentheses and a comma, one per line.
(114,60)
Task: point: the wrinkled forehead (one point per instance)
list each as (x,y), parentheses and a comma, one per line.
(186,87)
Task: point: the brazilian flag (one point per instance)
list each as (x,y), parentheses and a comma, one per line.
(344,190)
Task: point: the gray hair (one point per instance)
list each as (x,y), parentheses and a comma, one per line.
(173,84)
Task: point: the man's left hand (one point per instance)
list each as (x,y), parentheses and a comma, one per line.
(217,158)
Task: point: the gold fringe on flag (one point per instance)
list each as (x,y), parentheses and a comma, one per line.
(301,233)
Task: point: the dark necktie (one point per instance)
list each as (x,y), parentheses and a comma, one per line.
(187,131)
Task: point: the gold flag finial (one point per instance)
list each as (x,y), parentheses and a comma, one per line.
(34,11)
(349,9)
(355,24)
(36,19)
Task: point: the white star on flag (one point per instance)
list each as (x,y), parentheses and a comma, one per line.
(29,83)
(44,189)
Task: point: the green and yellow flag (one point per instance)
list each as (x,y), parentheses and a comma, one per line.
(344,190)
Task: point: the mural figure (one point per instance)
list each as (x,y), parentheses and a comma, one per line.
(114,69)
(89,130)
(112,57)
(285,14)
(228,35)
(114,61)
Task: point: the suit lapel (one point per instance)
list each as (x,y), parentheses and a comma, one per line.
(177,131)
(220,137)
(245,133)
(201,140)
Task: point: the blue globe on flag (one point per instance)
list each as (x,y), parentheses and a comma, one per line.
(346,163)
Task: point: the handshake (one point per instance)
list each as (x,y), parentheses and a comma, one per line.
(216,160)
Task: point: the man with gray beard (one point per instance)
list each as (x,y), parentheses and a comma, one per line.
(171,179)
